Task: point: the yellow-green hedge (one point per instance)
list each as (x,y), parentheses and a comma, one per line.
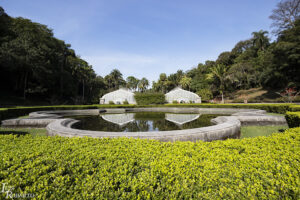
(295,108)
(89,168)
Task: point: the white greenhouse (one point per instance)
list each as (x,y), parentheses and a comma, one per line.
(118,97)
(182,96)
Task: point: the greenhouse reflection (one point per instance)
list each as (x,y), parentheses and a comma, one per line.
(120,119)
(181,119)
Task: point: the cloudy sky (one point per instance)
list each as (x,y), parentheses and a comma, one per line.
(144,38)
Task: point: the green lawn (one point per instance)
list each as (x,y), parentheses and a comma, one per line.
(275,114)
(23,131)
(254,131)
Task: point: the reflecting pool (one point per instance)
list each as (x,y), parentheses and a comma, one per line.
(143,121)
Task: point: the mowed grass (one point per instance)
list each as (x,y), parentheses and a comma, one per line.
(23,131)
(254,131)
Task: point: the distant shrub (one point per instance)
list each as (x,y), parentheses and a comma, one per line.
(125,102)
(238,101)
(111,103)
(175,102)
(149,98)
(205,94)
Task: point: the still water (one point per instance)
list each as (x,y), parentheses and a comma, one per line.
(143,121)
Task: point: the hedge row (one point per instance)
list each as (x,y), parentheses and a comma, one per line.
(89,168)
(294,108)
(275,108)
(149,98)
(6,113)
(293,119)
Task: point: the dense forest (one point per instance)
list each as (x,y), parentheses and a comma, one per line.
(37,67)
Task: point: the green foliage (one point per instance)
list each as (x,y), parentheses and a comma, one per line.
(34,64)
(294,108)
(174,102)
(132,83)
(89,168)
(205,94)
(143,84)
(111,103)
(275,108)
(149,98)
(125,102)
(185,82)
(293,119)
(114,80)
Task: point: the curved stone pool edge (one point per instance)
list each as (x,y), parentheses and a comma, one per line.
(226,126)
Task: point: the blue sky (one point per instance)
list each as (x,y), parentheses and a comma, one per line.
(144,38)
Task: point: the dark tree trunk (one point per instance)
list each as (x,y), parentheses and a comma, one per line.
(25,85)
(83,90)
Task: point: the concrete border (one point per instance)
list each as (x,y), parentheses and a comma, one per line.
(225,126)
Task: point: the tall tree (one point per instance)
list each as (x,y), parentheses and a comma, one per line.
(285,15)
(132,83)
(260,40)
(185,82)
(143,84)
(220,72)
(115,79)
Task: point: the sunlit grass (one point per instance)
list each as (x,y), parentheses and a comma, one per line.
(23,131)
(254,131)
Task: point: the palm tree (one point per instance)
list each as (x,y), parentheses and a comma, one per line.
(260,40)
(220,72)
(185,82)
(115,79)
(143,84)
(132,83)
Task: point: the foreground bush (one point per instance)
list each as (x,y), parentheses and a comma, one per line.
(149,98)
(87,168)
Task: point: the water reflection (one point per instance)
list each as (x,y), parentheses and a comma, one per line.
(181,119)
(143,121)
(120,119)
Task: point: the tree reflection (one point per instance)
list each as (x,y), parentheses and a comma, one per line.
(142,122)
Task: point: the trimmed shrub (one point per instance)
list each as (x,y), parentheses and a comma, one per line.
(6,113)
(275,108)
(149,98)
(294,108)
(175,102)
(111,103)
(293,119)
(123,168)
